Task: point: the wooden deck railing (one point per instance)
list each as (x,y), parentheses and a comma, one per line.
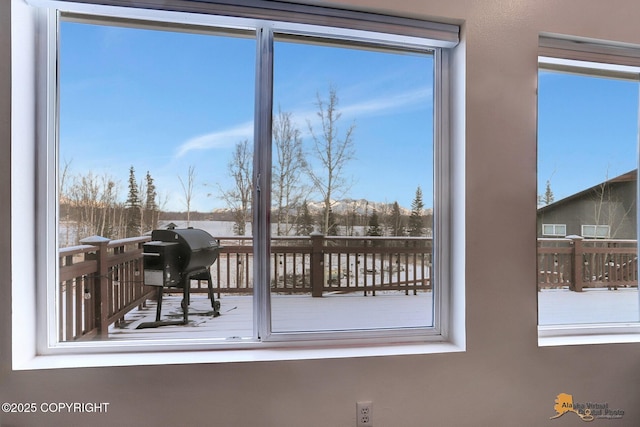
(578,263)
(322,264)
(100,281)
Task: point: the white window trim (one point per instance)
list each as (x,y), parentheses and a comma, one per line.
(597,58)
(30,224)
(555,227)
(595,235)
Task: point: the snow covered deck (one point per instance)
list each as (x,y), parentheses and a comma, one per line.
(597,305)
(351,311)
(289,313)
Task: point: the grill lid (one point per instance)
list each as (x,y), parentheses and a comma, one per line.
(197,249)
(193,238)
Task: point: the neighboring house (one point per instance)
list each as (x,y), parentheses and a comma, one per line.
(606,210)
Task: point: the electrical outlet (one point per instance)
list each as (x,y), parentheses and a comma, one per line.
(364,414)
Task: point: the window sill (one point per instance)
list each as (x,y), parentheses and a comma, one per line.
(253,353)
(551,336)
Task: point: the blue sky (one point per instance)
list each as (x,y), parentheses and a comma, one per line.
(587,130)
(165,101)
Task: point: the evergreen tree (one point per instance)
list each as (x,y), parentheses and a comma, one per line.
(304,226)
(133,206)
(150,206)
(351,219)
(333,223)
(416,220)
(548,197)
(239,223)
(374,225)
(397,224)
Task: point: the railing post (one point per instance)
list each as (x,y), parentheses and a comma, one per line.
(101,299)
(577,268)
(317,263)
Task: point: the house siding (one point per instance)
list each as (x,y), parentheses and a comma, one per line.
(614,206)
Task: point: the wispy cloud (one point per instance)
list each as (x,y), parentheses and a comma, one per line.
(387,104)
(378,106)
(220,139)
(302,118)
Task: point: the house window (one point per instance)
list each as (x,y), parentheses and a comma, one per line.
(554,230)
(587,159)
(596,231)
(279,139)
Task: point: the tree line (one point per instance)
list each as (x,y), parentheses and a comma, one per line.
(91,205)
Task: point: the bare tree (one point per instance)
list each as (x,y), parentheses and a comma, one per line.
(85,196)
(90,205)
(238,198)
(611,209)
(64,174)
(108,201)
(63,199)
(332,152)
(187,189)
(289,163)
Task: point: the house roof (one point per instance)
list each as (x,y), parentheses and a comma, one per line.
(630,176)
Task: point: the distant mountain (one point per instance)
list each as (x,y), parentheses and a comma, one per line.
(344,206)
(360,207)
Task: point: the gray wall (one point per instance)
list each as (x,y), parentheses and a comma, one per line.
(616,207)
(503,379)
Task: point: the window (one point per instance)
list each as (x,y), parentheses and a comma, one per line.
(587,162)
(170,108)
(596,231)
(376,217)
(555,230)
(316,156)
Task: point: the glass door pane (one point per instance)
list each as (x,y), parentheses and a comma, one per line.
(352,187)
(156,126)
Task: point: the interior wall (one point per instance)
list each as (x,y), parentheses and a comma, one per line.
(503,379)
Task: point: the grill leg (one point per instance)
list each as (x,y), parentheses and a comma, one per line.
(159,305)
(214,304)
(186,300)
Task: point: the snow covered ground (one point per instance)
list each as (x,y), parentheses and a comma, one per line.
(292,313)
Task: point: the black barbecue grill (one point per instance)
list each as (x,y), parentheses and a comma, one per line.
(173,258)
